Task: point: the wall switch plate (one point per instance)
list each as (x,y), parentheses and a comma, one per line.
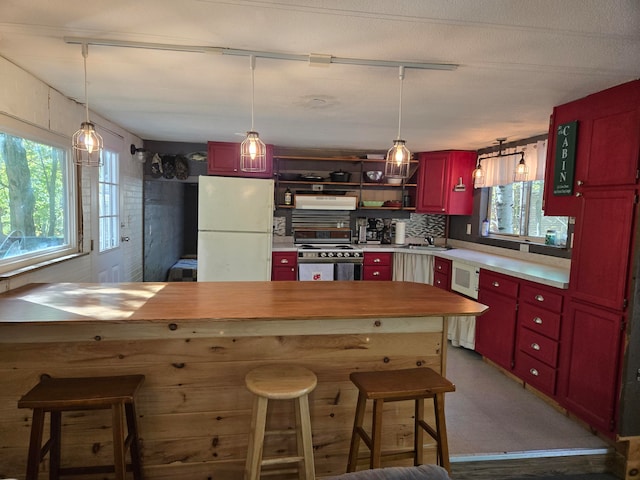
(468,229)
(524,247)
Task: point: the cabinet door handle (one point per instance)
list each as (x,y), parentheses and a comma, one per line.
(534,372)
(496,284)
(539,298)
(376,260)
(439,267)
(375,274)
(578,194)
(579,183)
(438,282)
(284,260)
(537,320)
(535,346)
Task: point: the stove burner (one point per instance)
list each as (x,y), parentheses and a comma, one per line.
(309,247)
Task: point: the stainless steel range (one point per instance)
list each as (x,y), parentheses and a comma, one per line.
(327,254)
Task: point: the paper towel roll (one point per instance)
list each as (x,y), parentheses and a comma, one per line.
(400,231)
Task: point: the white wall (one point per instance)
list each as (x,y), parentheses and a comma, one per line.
(29,99)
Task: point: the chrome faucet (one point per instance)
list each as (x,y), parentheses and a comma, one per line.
(429,240)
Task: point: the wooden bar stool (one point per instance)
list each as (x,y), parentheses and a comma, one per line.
(57,395)
(395,385)
(280,382)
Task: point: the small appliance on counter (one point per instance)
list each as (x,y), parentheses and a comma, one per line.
(385,235)
(362,230)
(372,230)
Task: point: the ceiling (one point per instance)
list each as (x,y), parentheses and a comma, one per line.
(517,59)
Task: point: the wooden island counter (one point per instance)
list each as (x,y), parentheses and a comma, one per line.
(195,342)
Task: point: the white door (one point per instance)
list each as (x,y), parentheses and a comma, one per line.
(105,226)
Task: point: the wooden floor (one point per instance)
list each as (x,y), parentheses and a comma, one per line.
(499,430)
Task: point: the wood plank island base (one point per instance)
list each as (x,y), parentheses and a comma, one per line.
(195,342)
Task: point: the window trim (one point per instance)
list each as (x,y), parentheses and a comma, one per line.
(24,129)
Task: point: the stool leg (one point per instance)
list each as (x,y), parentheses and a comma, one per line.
(134,446)
(35,444)
(441,428)
(117,421)
(305,436)
(376,434)
(256,438)
(56,445)
(418,433)
(352,463)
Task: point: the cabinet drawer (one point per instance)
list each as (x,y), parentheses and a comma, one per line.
(495,282)
(540,320)
(541,296)
(442,265)
(538,346)
(536,373)
(379,272)
(378,258)
(441,280)
(279,259)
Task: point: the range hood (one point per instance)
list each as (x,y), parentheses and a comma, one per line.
(325,202)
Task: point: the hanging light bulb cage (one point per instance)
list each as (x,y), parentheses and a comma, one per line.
(87,146)
(253,151)
(478,176)
(87,143)
(398,160)
(398,156)
(521,173)
(253,154)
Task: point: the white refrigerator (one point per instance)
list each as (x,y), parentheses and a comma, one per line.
(235,228)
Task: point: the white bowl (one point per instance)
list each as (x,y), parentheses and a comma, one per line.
(394,180)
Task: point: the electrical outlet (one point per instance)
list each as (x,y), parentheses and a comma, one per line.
(524,247)
(468,229)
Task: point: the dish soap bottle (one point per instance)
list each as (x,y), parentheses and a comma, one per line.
(287,197)
(485,228)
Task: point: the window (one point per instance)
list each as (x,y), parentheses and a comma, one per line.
(109,205)
(37,209)
(515,209)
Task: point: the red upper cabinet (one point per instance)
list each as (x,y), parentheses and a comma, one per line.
(223,158)
(607,136)
(439,173)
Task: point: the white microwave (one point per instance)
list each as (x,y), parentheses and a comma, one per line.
(465,279)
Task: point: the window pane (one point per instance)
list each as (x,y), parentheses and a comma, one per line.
(108,201)
(34,203)
(516,209)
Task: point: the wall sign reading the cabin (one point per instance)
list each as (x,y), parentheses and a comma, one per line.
(565,161)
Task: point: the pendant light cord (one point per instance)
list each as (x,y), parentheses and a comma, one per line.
(252,65)
(401,75)
(85,54)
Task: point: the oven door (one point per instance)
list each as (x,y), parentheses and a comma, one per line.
(342,271)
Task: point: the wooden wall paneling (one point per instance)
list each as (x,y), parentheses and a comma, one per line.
(194,411)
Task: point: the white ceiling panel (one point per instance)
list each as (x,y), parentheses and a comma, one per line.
(517,59)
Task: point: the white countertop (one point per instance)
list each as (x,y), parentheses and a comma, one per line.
(550,275)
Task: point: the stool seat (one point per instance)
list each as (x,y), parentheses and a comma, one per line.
(57,395)
(393,385)
(397,385)
(280,382)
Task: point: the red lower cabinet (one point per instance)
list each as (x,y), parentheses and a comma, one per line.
(377,266)
(538,345)
(496,329)
(284,266)
(442,273)
(590,364)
